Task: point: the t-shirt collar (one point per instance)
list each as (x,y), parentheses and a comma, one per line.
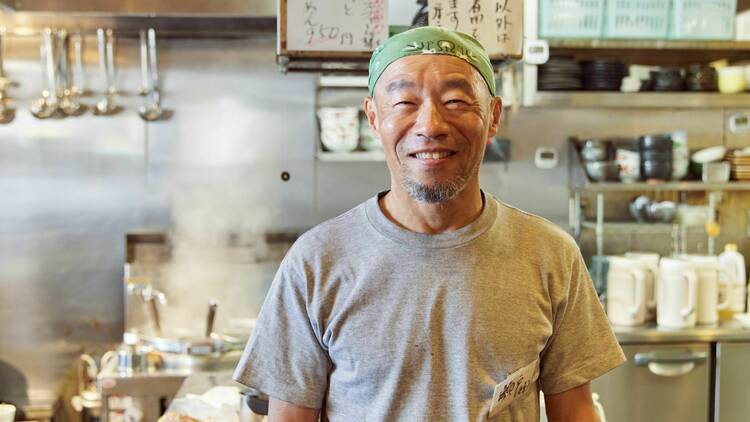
(454,238)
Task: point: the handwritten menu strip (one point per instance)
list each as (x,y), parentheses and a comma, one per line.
(497,24)
(336,25)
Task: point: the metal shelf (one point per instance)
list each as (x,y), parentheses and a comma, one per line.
(649,44)
(663,186)
(373,156)
(634,227)
(342,82)
(590,99)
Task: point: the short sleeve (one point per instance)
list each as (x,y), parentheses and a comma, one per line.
(283,357)
(582,346)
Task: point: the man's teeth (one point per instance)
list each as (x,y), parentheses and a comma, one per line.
(432,155)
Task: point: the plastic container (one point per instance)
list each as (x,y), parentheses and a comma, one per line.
(571,18)
(732,80)
(703,19)
(7,412)
(637,19)
(734,263)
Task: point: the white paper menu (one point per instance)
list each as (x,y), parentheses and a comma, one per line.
(336,25)
(497,24)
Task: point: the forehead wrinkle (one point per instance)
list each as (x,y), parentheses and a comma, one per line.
(459,83)
(399,84)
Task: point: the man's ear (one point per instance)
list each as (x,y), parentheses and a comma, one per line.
(371,113)
(497,110)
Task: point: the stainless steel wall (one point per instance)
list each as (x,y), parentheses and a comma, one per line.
(70,189)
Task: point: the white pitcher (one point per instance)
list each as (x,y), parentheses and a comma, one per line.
(626,291)
(709,272)
(651,264)
(678,293)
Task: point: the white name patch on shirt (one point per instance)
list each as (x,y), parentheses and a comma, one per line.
(516,385)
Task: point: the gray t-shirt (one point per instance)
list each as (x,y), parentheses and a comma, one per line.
(377,323)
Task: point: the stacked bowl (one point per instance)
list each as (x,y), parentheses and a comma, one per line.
(559,73)
(603,74)
(656,157)
(597,157)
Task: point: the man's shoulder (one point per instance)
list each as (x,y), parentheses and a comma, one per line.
(534,229)
(334,234)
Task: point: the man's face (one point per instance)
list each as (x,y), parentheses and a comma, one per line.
(434,115)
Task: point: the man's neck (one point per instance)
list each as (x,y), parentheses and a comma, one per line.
(423,217)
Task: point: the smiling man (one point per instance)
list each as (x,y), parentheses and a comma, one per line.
(432,301)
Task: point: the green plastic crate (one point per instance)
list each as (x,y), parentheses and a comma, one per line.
(637,19)
(571,18)
(703,19)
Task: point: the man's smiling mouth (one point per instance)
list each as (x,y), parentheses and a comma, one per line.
(432,155)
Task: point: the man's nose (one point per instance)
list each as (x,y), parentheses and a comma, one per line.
(430,121)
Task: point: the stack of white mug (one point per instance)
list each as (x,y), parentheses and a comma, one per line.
(677,292)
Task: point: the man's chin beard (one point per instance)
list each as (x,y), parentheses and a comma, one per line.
(435,193)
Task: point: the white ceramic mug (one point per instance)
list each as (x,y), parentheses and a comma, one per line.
(709,272)
(650,263)
(626,292)
(677,294)
(7,412)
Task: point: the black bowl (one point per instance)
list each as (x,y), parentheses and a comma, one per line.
(656,155)
(596,150)
(655,142)
(658,170)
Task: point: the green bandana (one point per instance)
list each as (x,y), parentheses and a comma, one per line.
(430,40)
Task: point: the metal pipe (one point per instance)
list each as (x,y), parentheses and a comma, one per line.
(712,219)
(600,224)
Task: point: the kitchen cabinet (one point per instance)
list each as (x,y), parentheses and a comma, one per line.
(693,374)
(659,382)
(732,373)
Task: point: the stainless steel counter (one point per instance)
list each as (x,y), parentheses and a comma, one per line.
(724,331)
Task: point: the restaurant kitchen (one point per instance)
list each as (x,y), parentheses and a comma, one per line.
(139,233)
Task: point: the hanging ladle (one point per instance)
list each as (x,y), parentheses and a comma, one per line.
(46,106)
(153,110)
(68,104)
(106,106)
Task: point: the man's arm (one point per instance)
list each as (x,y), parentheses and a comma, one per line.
(574,405)
(281,411)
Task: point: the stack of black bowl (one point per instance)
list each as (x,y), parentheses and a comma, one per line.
(667,79)
(603,74)
(656,157)
(701,78)
(559,73)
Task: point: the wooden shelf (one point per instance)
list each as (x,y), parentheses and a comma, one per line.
(639,99)
(664,186)
(628,226)
(635,227)
(649,44)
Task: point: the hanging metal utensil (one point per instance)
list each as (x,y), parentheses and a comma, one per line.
(78,76)
(145,75)
(3,76)
(106,106)
(111,74)
(6,114)
(152,111)
(46,106)
(69,104)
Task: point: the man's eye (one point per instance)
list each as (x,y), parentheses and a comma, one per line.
(455,101)
(404,103)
